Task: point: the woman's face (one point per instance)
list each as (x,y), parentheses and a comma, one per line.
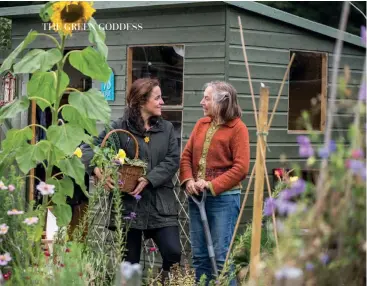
(153,106)
(207,102)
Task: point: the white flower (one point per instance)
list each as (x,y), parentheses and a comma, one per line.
(11,188)
(15,212)
(45,189)
(3,228)
(31,220)
(2,186)
(5,258)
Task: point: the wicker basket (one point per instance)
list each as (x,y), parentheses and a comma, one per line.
(128,174)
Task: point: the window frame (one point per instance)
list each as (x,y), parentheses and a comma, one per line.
(129,68)
(323,95)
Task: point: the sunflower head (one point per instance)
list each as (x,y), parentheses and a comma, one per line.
(69,15)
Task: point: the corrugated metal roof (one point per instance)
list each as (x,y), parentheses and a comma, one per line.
(33,10)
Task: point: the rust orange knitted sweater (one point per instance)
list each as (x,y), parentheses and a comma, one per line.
(218,154)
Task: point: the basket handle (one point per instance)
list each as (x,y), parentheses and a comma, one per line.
(128,133)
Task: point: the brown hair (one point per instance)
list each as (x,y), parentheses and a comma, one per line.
(137,96)
(225,100)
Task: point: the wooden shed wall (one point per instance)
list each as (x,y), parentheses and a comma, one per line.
(268,45)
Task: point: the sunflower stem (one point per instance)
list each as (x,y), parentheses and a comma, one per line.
(52,38)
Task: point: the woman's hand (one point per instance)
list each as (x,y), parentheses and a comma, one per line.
(201,184)
(190,187)
(98,176)
(140,187)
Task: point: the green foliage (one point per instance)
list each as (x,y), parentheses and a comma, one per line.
(5,33)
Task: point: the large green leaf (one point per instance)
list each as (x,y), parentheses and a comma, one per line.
(28,156)
(43,85)
(46,12)
(38,60)
(63,214)
(90,63)
(91,104)
(74,168)
(66,137)
(15,138)
(97,36)
(73,116)
(11,58)
(12,109)
(56,155)
(64,188)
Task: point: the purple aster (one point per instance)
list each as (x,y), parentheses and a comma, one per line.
(270,206)
(324,152)
(362,92)
(285,208)
(358,168)
(324,258)
(309,266)
(303,140)
(306,151)
(137,197)
(298,187)
(286,195)
(132,215)
(363,35)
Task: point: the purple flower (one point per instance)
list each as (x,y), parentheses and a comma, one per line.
(305,148)
(357,154)
(358,168)
(120,182)
(298,187)
(324,152)
(127,218)
(132,215)
(363,35)
(362,92)
(303,140)
(309,266)
(285,207)
(270,206)
(137,197)
(324,258)
(117,162)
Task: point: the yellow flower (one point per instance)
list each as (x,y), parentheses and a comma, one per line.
(78,152)
(71,15)
(311,161)
(121,156)
(293,179)
(146,139)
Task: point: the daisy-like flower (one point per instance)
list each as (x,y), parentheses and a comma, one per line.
(70,15)
(78,152)
(31,220)
(121,155)
(45,189)
(3,228)
(2,186)
(15,212)
(5,258)
(11,188)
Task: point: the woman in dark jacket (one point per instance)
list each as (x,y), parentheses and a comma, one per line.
(157,210)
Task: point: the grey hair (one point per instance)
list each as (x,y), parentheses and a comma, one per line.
(225,100)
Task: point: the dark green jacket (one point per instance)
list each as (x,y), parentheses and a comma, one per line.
(158,206)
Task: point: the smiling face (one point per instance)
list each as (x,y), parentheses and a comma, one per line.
(153,106)
(207,102)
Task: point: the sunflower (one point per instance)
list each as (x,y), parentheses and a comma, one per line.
(70,15)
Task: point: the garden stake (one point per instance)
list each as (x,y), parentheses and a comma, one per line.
(208,237)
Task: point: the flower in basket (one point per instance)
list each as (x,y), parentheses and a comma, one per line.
(31,220)
(45,189)
(121,155)
(5,258)
(3,228)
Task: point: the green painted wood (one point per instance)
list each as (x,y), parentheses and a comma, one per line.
(117,53)
(119,99)
(118,67)
(197,82)
(204,66)
(120,82)
(147,36)
(259,54)
(204,50)
(353,62)
(288,41)
(242,86)
(258,71)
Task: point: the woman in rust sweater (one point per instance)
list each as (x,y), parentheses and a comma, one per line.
(215,158)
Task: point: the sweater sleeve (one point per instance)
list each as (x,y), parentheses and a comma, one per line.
(187,159)
(240,146)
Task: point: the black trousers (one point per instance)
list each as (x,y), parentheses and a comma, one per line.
(167,240)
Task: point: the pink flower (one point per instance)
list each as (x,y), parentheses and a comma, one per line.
(11,188)
(15,212)
(2,186)
(3,228)
(5,258)
(45,189)
(153,249)
(31,220)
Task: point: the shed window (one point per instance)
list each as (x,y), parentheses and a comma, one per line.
(165,63)
(307,90)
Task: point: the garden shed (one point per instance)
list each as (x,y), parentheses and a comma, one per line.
(188,43)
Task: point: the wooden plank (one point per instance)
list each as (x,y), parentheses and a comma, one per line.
(129,68)
(118,67)
(259,54)
(205,50)
(242,85)
(116,53)
(289,41)
(355,62)
(119,99)
(323,101)
(147,36)
(119,83)
(258,71)
(196,83)
(149,19)
(204,66)
(257,22)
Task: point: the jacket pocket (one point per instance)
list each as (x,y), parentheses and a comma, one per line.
(166,201)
